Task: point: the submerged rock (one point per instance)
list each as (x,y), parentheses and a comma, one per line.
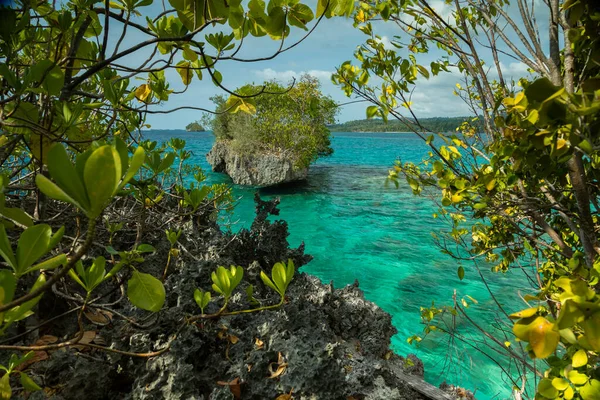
(261,169)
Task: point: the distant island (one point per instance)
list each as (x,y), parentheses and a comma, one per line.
(194,127)
(437,124)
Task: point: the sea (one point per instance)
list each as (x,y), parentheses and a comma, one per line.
(357,227)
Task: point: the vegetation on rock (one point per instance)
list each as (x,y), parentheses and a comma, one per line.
(290,121)
(195,126)
(527,183)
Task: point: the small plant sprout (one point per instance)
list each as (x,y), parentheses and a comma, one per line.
(90,278)
(26,381)
(202,298)
(113,228)
(226,280)
(195,197)
(281,276)
(172,237)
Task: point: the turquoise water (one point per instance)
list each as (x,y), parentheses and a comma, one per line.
(357,228)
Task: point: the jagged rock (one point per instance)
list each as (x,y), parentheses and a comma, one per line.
(334,343)
(263,169)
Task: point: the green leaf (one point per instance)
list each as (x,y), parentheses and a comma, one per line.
(145,248)
(202,299)
(461,273)
(546,389)
(50,263)
(96,273)
(16,215)
(276,23)
(54,81)
(591,326)
(372,111)
(146,292)
(137,160)
(114,270)
(8,285)
(102,173)
(299,15)
(586,146)
(28,383)
(236,275)
(64,174)
(5,389)
(51,190)
(540,90)
(267,281)
(591,390)
(184,69)
(24,310)
(6,250)
(33,243)
(77,279)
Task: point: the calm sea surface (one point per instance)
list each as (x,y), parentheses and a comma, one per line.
(357,228)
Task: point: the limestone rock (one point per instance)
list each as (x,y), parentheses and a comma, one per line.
(264,169)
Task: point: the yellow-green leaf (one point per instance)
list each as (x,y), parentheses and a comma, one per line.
(184,69)
(529,312)
(543,338)
(142,92)
(560,383)
(580,358)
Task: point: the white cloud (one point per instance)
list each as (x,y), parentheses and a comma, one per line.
(286,76)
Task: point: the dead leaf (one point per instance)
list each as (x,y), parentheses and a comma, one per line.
(45,340)
(233,339)
(98,317)
(259,344)
(37,357)
(278,368)
(87,338)
(249,367)
(235,386)
(285,396)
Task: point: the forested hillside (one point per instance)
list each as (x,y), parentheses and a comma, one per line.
(438,124)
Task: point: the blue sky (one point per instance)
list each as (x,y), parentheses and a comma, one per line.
(332,43)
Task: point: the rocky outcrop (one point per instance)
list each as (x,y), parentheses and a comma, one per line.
(321,344)
(263,169)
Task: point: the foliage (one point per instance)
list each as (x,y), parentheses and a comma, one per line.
(225,281)
(13,368)
(526,183)
(437,124)
(291,121)
(195,126)
(74,97)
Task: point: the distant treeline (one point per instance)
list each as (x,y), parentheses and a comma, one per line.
(438,124)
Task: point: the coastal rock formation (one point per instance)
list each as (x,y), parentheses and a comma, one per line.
(322,343)
(265,169)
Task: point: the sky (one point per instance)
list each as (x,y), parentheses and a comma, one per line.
(330,44)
